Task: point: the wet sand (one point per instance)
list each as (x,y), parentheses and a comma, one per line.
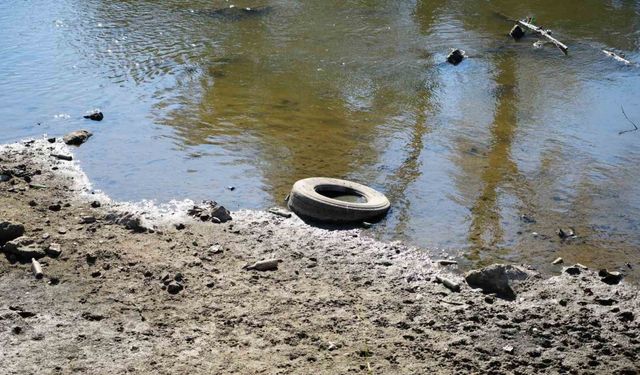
(175,298)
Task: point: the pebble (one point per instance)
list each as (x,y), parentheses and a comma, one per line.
(87,219)
(508,348)
(53,250)
(55,207)
(174,287)
(95,204)
(62,230)
(558,261)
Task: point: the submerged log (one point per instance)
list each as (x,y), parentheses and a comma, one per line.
(544,33)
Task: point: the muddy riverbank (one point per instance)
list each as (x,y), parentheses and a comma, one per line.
(176,299)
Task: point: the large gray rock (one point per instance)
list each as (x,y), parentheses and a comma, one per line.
(23,248)
(77,137)
(10,231)
(497,278)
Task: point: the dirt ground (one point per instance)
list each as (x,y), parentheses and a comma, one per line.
(176,300)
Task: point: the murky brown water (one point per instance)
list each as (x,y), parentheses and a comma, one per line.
(197,100)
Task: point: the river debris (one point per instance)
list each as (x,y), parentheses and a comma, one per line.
(516,32)
(635,127)
(36,268)
(62,157)
(95,116)
(446,262)
(558,261)
(263,265)
(280,212)
(449,284)
(456,56)
(617,57)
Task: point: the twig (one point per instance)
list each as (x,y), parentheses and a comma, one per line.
(635,127)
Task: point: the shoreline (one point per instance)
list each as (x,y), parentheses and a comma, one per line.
(339,302)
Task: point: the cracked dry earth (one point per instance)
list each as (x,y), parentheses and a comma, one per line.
(178,301)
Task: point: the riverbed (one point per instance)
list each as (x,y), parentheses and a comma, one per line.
(482,161)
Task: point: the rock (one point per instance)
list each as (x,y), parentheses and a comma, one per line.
(129,220)
(62,230)
(94,317)
(573,270)
(62,157)
(231,188)
(516,32)
(215,249)
(174,287)
(87,219)
(95,204)
(36,268)
(212,210)
(558,261)
(10,231)
(51,140)
(508,349)
(77,137)
(95,116)
(178,277)
(55,207)
(5,177)
(16,330)
(264,265)
(626,316)
(455,57)
(280,212)
(497,278)
(23,248)
(611,278)
(53,250)
(527,219)
(566,233)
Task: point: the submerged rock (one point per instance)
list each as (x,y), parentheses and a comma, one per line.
(497,278)
(77,137)
(516,32)
(455,57)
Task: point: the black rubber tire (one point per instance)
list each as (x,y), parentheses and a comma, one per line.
(307,203)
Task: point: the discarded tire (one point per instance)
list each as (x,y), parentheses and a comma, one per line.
(336,201)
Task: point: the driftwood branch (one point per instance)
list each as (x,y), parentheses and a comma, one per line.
(635,127)
(616,57)
(544,33)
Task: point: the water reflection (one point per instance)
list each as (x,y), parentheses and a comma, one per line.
(351,89)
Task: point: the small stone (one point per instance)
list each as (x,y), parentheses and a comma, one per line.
(95,204)
(33,203)
(178,277)
(87,219)
(508,349)
(489,299)
(558,261)
(231,188)
(91,258)
(55,207)
(566,233)
(51,140)
(174,287)
(62,230)
(180,226)
(96,274)
(16,330)
(215,249)
(210,284)
(148,273)
(54,250)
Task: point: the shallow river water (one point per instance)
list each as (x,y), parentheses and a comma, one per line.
(196,100)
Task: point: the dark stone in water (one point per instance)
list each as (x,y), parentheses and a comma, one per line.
(95,116)
(455,57)
(234,13)
(516,32)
